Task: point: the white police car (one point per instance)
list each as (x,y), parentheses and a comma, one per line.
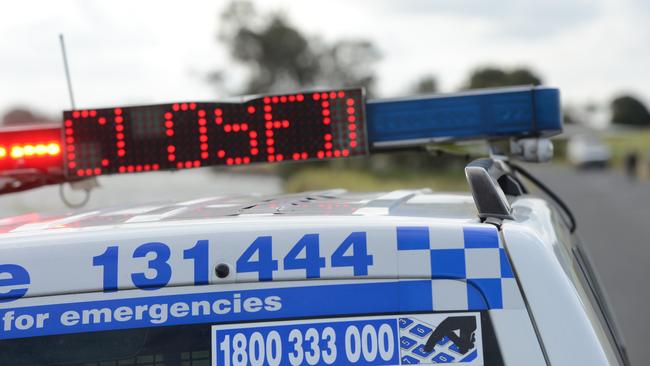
(319,278)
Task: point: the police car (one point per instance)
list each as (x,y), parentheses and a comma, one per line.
(319,278)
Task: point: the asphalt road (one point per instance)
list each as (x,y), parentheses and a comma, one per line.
(613,214)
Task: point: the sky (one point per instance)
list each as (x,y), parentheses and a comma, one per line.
(130,52)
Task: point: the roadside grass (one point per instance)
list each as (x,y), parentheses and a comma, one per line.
(368,180)
(622,143)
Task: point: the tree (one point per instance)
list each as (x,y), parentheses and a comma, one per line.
(628,110)
(490,77)
(279,57)
(426,85)
(21,116)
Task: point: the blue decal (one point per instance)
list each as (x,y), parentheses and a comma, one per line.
(412,238)
(443,358)
(200,255)
(480,248)
(447,263)
(484,294)
(108,260)
(359,260)
(159,265)
(420,330)
(265,264)
(506,269)
(406,342)
(405,322)
(219,307)
(481,237)
(408,360)
(470,357)
(312,263)
(18,276)
(421,352)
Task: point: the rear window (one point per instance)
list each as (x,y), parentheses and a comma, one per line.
(191,345)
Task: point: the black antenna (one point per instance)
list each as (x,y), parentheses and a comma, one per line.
(67,71)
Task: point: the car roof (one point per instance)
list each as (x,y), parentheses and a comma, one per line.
(332,203)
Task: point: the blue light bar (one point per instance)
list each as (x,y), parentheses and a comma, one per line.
(484,114)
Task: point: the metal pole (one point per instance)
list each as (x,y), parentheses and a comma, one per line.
(67,71)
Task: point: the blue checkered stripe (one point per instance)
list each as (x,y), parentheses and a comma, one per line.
(470,270)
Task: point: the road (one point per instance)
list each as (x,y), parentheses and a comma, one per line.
(613,214)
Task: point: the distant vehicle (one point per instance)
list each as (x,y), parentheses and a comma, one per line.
(588,151)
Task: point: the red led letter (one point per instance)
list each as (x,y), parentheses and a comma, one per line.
(89,159)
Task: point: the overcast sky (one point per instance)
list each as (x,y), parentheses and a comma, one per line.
(125,52)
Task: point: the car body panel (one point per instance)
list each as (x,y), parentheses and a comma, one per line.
(429,251)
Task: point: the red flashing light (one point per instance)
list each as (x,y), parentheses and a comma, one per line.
(32,147)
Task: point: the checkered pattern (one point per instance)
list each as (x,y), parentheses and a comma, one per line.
(413,336)
(469,268)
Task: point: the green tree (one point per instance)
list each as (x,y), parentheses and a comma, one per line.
(490,77)
(628,110)
(426,85)
(279,57)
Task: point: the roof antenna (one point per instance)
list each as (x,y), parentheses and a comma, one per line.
(88,184)
(67,71)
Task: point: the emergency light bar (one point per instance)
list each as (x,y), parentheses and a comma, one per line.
(32,147)
(481,114)
(298,126)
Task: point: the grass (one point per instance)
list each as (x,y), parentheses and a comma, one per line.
(366,180)
(622,143)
